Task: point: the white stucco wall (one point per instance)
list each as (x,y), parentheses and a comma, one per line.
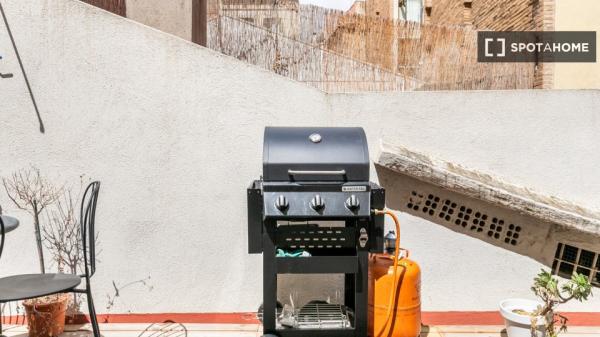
(174,132)
(545,140)
(173,16)
(577,15)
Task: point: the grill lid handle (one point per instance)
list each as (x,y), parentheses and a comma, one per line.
(317,173)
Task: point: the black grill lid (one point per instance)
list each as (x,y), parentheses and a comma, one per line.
(315,154)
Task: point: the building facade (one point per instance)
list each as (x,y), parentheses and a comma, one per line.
(175,17)
(577,15)
(506,15)
(407,10)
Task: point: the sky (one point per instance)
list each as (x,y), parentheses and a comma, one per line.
(338,4)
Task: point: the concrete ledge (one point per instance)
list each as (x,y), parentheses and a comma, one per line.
(488,189)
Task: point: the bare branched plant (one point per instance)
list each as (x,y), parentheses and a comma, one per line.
(33,193)
(62,234)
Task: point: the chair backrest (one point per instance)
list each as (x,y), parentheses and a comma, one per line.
(88,231)
(2,229)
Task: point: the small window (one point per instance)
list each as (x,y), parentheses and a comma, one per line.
(411,10)
(250,20)
(569,259)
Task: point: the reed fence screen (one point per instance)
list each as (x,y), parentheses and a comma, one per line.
(300,61)
(339,52)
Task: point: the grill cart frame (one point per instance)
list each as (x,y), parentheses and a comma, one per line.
(340,250)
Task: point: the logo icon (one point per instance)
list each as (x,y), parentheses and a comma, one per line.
(536,47)
(489,41)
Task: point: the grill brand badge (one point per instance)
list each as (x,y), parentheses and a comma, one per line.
(536,46)
(354,188)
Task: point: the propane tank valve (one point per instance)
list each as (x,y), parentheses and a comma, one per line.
(389,242)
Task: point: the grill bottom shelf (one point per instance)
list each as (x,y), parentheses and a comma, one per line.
(316,315)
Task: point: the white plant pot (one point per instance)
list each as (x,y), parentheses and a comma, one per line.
(520,325)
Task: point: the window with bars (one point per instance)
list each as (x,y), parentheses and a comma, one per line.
(569,259)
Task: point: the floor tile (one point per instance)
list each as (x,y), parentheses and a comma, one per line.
(254,330)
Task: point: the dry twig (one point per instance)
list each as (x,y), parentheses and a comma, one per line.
(33,193)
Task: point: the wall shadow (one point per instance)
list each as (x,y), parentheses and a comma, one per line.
(167,328)
(14,45)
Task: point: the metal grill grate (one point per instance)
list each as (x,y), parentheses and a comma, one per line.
(316,315)
(569,259)
(466,217)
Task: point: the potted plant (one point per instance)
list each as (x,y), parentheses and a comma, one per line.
(60,234)
(46,315)
(62,238)
(33,193)
(528,318)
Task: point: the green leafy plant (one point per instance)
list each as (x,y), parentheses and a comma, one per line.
(552,293)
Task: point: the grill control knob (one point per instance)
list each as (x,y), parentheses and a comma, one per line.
(317,203)
(282,203)
(352,203)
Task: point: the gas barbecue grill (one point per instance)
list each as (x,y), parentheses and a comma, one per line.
(311,177)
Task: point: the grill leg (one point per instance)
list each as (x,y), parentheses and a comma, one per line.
(1,334)
(361,298)
(269,281)
(349,290)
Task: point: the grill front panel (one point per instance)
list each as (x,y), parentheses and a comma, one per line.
(315,237)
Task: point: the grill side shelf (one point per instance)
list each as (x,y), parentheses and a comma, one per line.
(317,265)
(377,230)
(255,216)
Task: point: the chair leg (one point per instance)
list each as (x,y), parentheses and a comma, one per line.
(92,311)
(1,334)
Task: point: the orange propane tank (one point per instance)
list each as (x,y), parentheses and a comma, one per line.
(405,320)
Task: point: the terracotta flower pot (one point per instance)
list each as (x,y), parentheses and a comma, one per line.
(76,318)
(46,315)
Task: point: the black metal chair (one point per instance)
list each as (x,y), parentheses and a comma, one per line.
(22,287)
